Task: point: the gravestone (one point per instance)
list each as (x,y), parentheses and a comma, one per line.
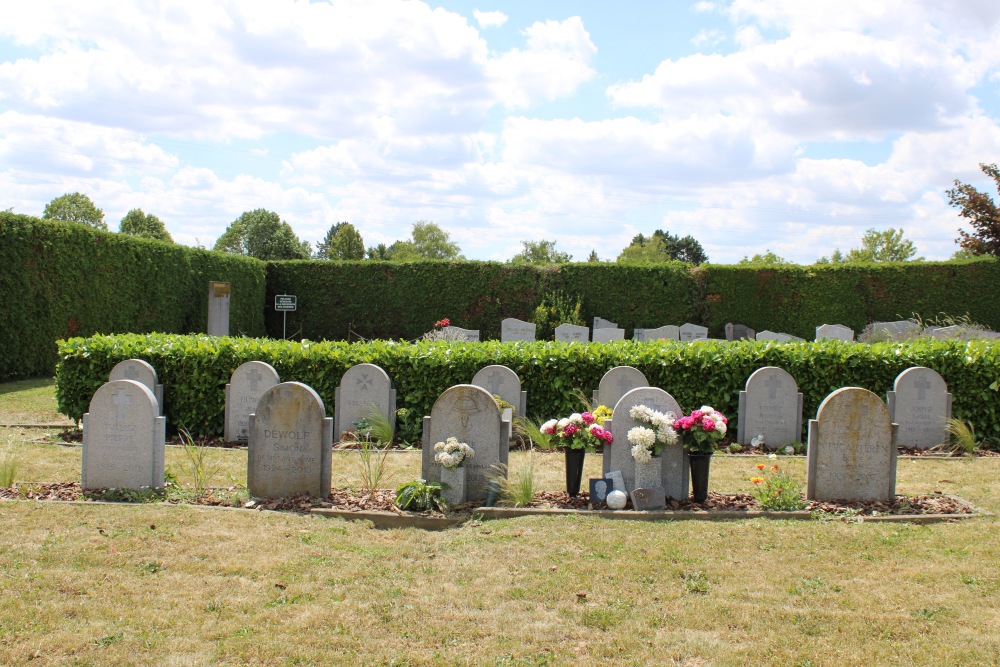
(572,333)
(245,387)
(124,438)
(616,383)
(771,405)
(675,470)
(953,331)
(512,329)
(666,332)
(140,371)
(608,334)
(921,405)
(779,337)
(690,332)
(601,323)
(852,448)
(218,308)
(363,388)
(739,332)
(458,333)
(505,383)
(834,332)
(896,328)
(291,443)
(469,414)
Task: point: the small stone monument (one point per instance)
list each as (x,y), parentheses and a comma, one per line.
(834,332)
(512,329)
(572,333)
(608,334)
(666,332)
(245,387)
(616,383)
(675,471)
(689,332)
(921,404)
(364,388)
(140,371)
(770,406)
(291,443)
(124,438)
(739,332)
(469,414)
(852,448)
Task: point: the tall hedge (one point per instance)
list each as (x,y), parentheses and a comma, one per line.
(62,279)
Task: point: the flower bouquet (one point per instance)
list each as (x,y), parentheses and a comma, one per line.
(648,442)
(452,455)
(701,430)
(576,435)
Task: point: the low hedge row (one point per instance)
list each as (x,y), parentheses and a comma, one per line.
(195,369)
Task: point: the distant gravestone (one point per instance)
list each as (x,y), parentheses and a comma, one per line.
(739,332)
(572,333)
(470,335)
(469,414)
(779,337)
(505,383)
(140,371)
(896,328)
(512,329)
(218,308)
(834,332)
(675,470)
(852,448)
(953,331)
(246,385)
(124,438)
(617,382)
(920,403)
(690,332)
(601,323)
(608,334)
(363,388)
(771,405)
(291,443)
(666,332)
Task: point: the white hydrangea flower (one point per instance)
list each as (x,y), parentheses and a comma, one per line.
(640,435)
(563,423)
(550,424)
(667,436)
(576,418)
(641,454)
(640,413)
(721,428)
(707,409)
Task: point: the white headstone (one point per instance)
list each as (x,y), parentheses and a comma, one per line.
(505,383)
(920,403)
(770,406)
(608,334)
(291,443)
(363,388)
(834,332)
(779,337)
(617,382)
(572,333)
(666,332)
(470,335)
(896,328)
(690,331)
(124,438)
(140,371)
(246,385)
(852,448)
(512,329)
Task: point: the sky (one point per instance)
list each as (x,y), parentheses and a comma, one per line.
(752,125)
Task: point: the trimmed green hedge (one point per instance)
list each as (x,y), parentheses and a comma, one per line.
(195,369)
(62,279)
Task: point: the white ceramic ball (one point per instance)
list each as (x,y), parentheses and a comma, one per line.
(616,500)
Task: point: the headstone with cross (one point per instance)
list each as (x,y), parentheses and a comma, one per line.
(852,448)
(364,389)
(246,385)
(616,383)
(921,404)
(503,382)
(124,437)
(771,406)
(513,329)
(469,414)
(140,371)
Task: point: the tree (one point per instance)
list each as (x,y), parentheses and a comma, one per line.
(144,225)
(379,252)
(342,241)
(876,246)
(540,252)
(593,257)
(262,234)
(432,242)
(767,259)
(661,247)
(978,208)
(75,207)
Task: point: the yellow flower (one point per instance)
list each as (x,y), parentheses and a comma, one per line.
(756,480)
(760,466)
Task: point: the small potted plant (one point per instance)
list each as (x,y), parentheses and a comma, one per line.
(647,443)
(452,455)
(576,435)
(700,433)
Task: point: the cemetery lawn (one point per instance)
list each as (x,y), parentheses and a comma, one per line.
(108,584)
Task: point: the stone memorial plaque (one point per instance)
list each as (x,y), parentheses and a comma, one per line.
(920,403)
(690,332)
(246,385)
(771,405)
(666,332)
(291,443)
(505,383)
(140,371)
(616,383)
(834,332)
(608,334)
(364,388)
(124,438)
(572,333)
(616,479)
(739,332)
(648,499)
(599,489)
(675,469)
(852,448)
(469,414)
(512,329)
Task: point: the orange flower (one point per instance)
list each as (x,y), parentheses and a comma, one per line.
(756,480)
(775,468)
(760,466)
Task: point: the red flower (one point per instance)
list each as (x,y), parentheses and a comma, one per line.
(440,324)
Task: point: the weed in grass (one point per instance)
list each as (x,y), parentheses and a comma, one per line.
(963,441)
(420,496)
(928,614)
(374,439)
(149,568)
(694,582)
(202,465)
(517,486)
(775,490)
(601,618)
(9,461)
(104,642)
(968,580)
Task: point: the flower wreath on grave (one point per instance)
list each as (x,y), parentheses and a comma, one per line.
(452,454)
(649,442)
(578,431)
(701,430)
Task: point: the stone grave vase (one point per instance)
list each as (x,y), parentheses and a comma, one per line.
(574,470)
(649,475)
(453,485)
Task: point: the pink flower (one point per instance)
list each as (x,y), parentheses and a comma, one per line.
(570,430)
(442,323)
(550,430)
(725,420)
(708,424)
(588,418)
(697,414)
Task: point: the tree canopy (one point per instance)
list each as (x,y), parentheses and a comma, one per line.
(767,258)
(662,247)
(144,225)
(876,246)
(262,234)
(427,241)
(75,207)
(981,212)
(342,241)
(540,252)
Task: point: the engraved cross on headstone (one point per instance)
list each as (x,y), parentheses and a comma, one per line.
(773,384)
(494,382)
(363,383)
(922,385)
(254,376)
(121,400)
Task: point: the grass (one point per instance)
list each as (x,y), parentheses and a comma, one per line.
(157,584)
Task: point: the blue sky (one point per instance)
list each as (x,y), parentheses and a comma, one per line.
(752,125)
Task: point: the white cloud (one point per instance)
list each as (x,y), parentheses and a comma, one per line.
(489,19)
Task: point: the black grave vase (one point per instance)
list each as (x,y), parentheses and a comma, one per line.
(700,464)
(574,470)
